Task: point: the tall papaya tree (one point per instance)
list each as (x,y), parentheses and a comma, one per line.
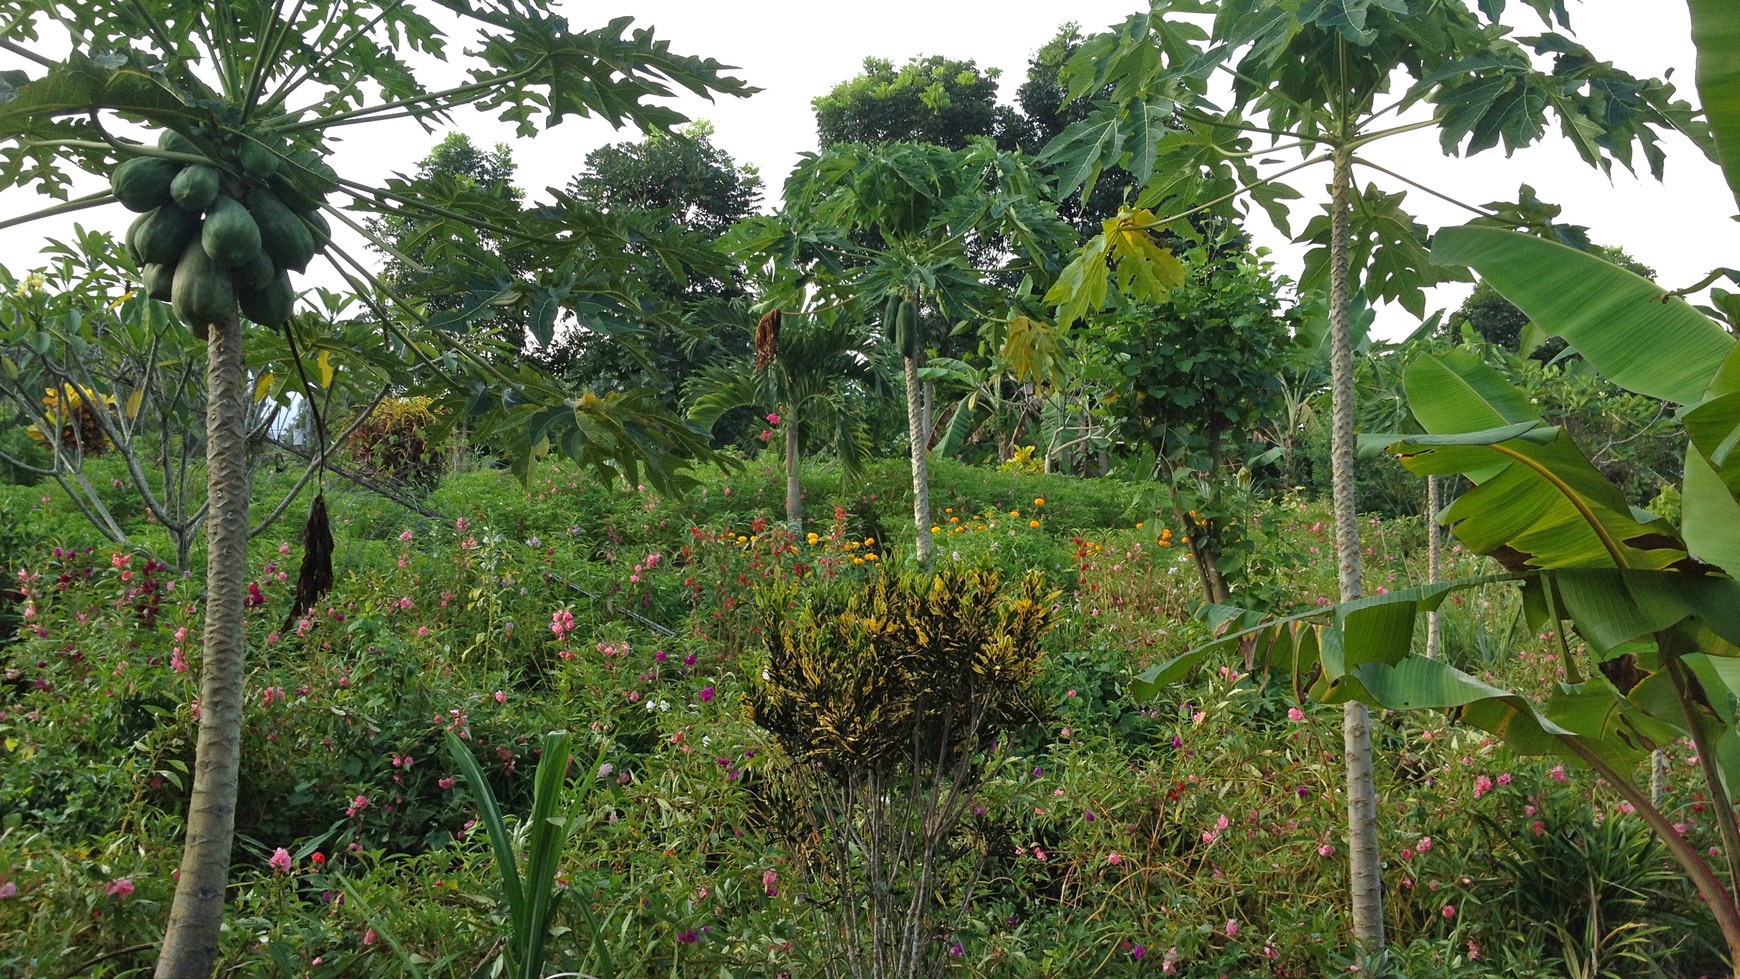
(1316,78)
(213,121)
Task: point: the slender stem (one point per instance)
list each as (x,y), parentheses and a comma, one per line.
(305,71)
(275,30)
(1719,799)
(450,97)
(373,238)
(77,204)
(158,33)
(365,192)
(1264,89)
(1247,188)
(1362,140)
(28,55)
(1483,212)
(1716,897)
(1242,127)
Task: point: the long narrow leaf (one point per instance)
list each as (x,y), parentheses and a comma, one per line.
(499,840)
(1716,33)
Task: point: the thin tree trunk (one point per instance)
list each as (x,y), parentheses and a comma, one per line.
(1434,565)
(190,943)
(1366,873)
(920,476)
(794,500)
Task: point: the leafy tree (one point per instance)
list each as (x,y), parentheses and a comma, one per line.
(681,183)
(1191,380)
(222,80)
(933,100)
(1308,77)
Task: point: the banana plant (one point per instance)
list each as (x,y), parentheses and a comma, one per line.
(1655,607)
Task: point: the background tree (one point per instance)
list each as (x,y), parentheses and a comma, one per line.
(218,80)
(935,100)
(680,182)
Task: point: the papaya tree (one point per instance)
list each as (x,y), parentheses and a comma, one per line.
(1656,656)
(1313,78)
(213,122)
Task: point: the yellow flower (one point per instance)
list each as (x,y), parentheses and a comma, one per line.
(870,557)
(1039,501)
(936,530)
(1014,513)
(1034,524)
(869,542)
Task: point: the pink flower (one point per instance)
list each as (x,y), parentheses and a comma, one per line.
(772,418)
(1425,844)
(1482,785)
(770,882)
(1295,714)
(1449,911)
(1114,859)
(357,805)
(448,782)
(121,887)
(706,694)
(280,862)
(1232,928)
(8,889)
(500,697)
(369,937)
(1326,850)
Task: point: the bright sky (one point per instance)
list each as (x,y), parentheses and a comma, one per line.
(796,51)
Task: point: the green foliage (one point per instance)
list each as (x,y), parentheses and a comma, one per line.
(934,100)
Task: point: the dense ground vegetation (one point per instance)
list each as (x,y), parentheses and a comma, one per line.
(1197,835)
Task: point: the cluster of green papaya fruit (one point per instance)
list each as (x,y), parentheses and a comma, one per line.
(225,230)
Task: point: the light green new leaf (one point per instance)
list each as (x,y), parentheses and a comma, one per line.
(1716,33)
(1081,288)
(1625,326)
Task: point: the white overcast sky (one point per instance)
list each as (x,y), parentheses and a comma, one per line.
(797,51)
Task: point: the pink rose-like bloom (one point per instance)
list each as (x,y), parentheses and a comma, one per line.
(500,697)
(1114,859)
(1425,844)
(369,937)
(1482,785)
(1295,714)
(1449,911)
(706,694)
(121,887)
(8,889)
(1326,850)
(280,862)
(772,418)
(1232,928)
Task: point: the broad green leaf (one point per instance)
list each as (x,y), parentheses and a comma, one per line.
(1145,270)
(1710,514)
(1081,288)
(1455,392)
(1625,326)
(1716,33)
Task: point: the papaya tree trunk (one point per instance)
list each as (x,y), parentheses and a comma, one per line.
(915,427)
(794,499)
(1366,873)
(1434,565)
(190,943)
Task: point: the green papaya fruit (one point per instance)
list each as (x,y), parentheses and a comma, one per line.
(164,234)
(906,329)
(196,187)
(257,161)
(142,182)
(272,305)
(158,281)
(255,272)
(174,142)
(286,239)
(319,227)
(230,235)
(202,293)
